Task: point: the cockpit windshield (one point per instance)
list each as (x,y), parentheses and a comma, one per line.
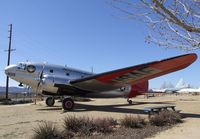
(21,66)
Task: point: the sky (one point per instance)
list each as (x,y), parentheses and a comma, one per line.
(81,34)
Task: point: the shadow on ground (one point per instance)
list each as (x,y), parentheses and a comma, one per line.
(115,108)
(107,108)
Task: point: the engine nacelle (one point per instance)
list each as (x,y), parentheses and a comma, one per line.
(49,82)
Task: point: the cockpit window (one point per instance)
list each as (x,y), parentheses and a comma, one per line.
(31,68)
(22,66)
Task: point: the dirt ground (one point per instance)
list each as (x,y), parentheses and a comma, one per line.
(18,121)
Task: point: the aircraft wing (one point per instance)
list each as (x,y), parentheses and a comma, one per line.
(132,75)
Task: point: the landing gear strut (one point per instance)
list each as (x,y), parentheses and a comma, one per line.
(50,101)
(68,103)
(129,101)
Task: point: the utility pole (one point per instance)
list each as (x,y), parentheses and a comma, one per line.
(9,50)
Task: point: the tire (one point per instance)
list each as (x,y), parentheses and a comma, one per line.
(50,101)
(130,102)
(68,104)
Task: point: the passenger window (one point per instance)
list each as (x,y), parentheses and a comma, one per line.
(67,74)
(51,70)
(31,68)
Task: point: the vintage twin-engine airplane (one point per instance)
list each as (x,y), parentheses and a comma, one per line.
(52,80)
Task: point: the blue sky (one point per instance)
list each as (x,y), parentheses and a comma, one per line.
(81,34)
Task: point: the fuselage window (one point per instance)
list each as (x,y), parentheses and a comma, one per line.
(51,71)
(31,68)
(67,74)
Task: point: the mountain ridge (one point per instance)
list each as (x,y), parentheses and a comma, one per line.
(11,89)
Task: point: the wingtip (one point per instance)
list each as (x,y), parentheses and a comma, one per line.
(193,57)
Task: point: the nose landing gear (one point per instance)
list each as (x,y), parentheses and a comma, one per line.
(67,103)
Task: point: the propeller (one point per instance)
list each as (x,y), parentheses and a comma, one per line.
(41,76)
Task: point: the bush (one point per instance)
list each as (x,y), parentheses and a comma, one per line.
(166,118)
(46,130)
(104,125)
(130,121)
(83,125)
(87,126)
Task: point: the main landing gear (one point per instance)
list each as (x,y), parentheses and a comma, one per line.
(50,101)
(68,103)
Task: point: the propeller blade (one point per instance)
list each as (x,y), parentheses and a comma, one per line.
(40,79)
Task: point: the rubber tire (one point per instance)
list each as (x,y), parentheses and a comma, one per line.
(130,102)
(50,101)
(68,104)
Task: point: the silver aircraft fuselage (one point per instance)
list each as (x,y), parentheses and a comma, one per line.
(29,73)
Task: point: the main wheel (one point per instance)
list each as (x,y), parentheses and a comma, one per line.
(130,102)
(50,101)
(68,103)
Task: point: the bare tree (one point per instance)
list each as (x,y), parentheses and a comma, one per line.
(173,23)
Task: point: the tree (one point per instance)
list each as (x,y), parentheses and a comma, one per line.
(173,23)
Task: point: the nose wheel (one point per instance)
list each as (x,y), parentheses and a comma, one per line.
(68,104)
(50,101)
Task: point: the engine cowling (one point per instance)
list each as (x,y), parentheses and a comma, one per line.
(49,81)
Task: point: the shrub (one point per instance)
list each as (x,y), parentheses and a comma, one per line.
(130,121)
(46,130)
(83,125)
(166,118)
(71,123)
(104,125)
(68,134)
(87,126)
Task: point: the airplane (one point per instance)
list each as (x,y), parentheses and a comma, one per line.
(189,90)
(66,82)
(180,85)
